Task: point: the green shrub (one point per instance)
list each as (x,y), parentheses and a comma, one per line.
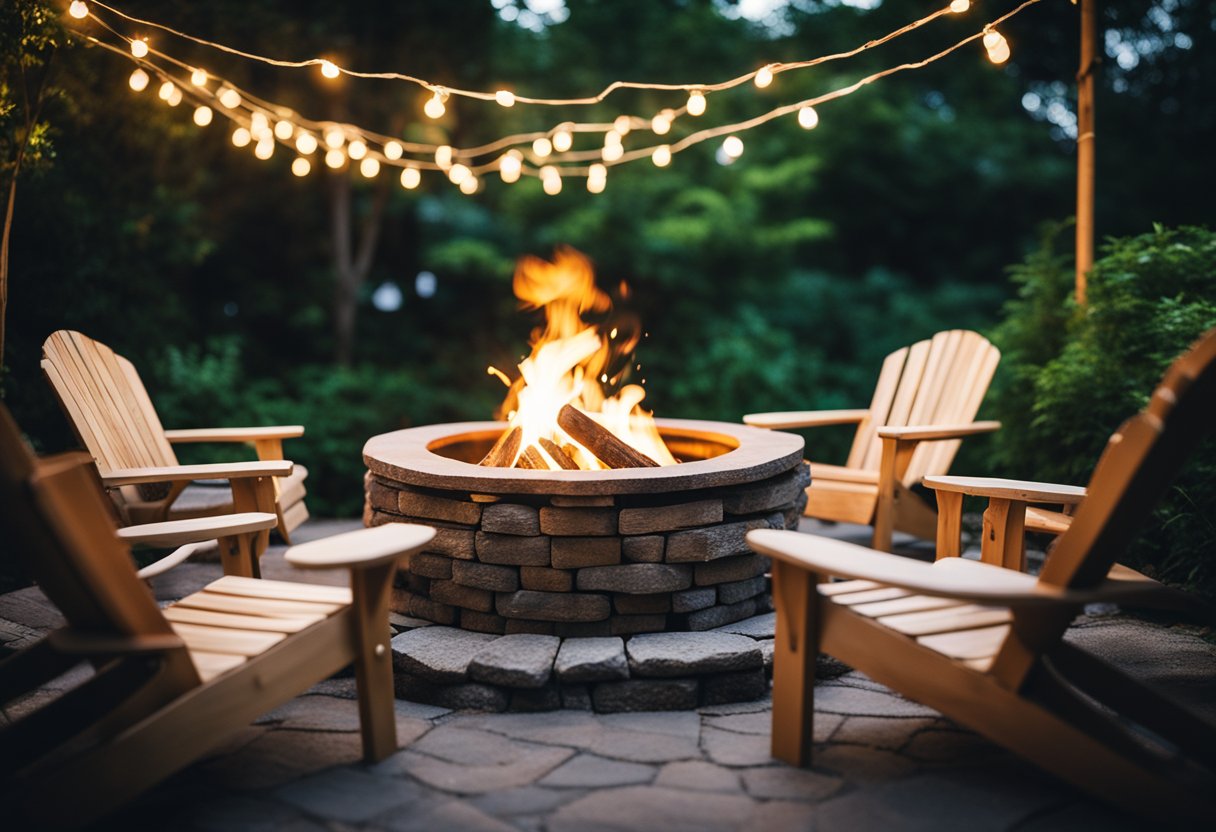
(1071,376)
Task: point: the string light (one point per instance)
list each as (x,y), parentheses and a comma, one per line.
(661,156)
(443,156)
(369,167)
(241,137)
(138,80)
(510,166)
(283,130)
(696,103)
(997,46)
(202,115)
(505,97)
(264,149)
(329,69)
(808,118)
(764,77)
(334,158)
(356,149)
(563,139)
(306,143)
(230,98)
(334,138)
(551,180)
(622,125)
(410,178)
(612,152)
(259,125)
(198,77)
(960,6)
(393,151)
(139,47)
(732,146)
(661,123)
(470,185)
(435,108)
(166,90)
(458,173)
(78,10)
(542,147)
(301,166)
(597,177)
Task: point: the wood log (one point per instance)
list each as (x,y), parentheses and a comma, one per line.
(601,442)
(504,450)
(532,459)
(559,456)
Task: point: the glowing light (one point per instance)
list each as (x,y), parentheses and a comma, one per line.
(733,147)
(597,178)
(199,78)
(661,156)
(334,138)
(139,47)
(230,98)
(505,97)
(393,150)
(612,152)
(542,147)
(369,167)
(410,177)
(139,80)
(78,10)
(241,137)
(335,158)
(264,149)
(166,90)
(356,149)
(960,6)
(329,69)
(443,156)
(259,124)
(284,130)
(563,139)
(764,77)
(696,103)
(203,115)
(434,107)
(458,173)
(301,166)
(612,137)
(622,125)
(551,180)
(175,97)
(661,123)
(808,118)
(510,166)
(997,46)
(470,185)
(306,143)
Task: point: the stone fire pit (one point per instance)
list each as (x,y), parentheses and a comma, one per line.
(583,554)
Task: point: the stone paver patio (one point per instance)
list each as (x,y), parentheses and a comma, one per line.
(882,762)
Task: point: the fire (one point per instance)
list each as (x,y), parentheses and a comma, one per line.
(574,362)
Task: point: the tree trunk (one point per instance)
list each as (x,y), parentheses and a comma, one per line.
(351,267)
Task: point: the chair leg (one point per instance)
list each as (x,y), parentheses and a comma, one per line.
(371,589)
(949,524)
(796,649)
(238,555)
(1004,537)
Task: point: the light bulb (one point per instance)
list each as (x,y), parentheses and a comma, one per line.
(764,77)
(612,152)
(469,185)
(199,78)
(733,147)
(369,167)
(356,149)
(393,150)
(596,186)
(434,107)
(612,137)
(284,130)
(505,97)
(202,115)
(241,137)
(661,156)
(1000,53)
(622,125)
(138,80)
(551,180)
(661,123)
(696,103)
(175,96)
(259,124)
(597,176)
(230,98)
(301,166)
(306,143)
(458,173)
(808,118)
(329,69)
(335,158)
(410,177)
(166,90)
(960,6)
(264,149)
(510,166)
(542,147)
(139,47)
(443,156)
(334,137)
(78,10)
(563,140)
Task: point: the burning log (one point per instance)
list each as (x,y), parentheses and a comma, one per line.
(559,456)
(531,458)
(601,442)
(504,450)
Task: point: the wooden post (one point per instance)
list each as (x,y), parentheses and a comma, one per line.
(1085,146)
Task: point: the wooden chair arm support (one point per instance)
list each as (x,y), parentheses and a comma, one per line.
(994,487)
(197,529)
(179,555)
(922,433)
(804,418)
(361,549)
(963,580)
(234,434)
(188,473)
(73,642)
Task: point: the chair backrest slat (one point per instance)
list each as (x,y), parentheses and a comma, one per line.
(880,406)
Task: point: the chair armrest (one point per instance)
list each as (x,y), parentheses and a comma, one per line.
(361,549)
(1023,490)
(920,433)
(964,580)
(234,434)
(804,418)
(196,529)
(187,473)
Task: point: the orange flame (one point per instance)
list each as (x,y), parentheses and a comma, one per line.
(575,362)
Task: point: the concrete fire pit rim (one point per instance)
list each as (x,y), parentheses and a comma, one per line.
(404,456)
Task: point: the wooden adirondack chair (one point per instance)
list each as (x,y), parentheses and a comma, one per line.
(112,415)
(170,684)
(924,404)
(984,645)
